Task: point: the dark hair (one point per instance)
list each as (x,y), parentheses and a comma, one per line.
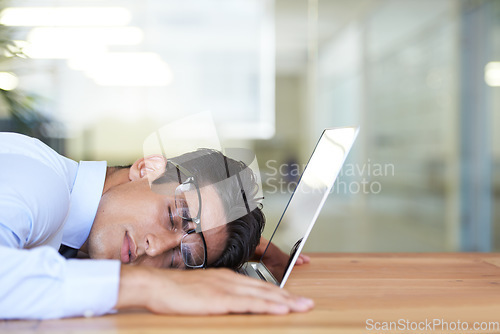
(237,194)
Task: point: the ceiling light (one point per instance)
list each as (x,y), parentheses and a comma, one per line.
(65,16)
(492,74)
(61,50)
(89,36)
(8,81)
(66,43)
(125,69)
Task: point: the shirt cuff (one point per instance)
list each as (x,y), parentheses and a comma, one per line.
(91,287)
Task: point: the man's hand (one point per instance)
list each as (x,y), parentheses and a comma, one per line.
(275,259)
(203,292)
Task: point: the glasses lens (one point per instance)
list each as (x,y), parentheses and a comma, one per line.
(193,250)
(186,201)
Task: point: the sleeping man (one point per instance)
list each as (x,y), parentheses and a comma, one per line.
(138,225)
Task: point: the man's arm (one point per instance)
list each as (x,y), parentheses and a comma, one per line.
(275,253)
(274,258)
(41,284)
(203,292)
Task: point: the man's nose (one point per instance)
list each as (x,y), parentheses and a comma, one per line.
(162,241)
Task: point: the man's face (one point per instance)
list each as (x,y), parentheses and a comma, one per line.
(139,226)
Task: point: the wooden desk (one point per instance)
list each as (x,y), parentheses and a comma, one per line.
(348,290)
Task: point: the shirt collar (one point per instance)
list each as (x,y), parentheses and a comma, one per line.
(85,197)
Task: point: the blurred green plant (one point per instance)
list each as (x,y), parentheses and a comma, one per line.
(19,105)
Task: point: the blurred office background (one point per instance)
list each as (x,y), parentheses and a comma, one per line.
(421,77)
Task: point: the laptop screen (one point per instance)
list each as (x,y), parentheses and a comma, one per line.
(310,194)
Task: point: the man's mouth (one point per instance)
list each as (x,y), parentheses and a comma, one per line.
(127,253)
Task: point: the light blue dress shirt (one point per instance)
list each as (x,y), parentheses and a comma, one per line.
(45,200)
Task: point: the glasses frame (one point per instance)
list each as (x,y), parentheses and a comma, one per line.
(190,178)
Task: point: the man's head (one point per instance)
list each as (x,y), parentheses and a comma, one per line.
(137,220)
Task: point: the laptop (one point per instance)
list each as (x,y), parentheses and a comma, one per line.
(305,204)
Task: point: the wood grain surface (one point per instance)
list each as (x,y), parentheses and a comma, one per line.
(354,293)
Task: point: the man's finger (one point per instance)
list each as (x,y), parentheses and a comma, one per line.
(245,286)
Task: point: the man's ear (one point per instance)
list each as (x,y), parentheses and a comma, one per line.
(151,167)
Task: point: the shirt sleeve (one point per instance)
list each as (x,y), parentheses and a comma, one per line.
(41,284)
(36,282)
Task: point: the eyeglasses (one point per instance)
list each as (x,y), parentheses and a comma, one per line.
(193,246)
